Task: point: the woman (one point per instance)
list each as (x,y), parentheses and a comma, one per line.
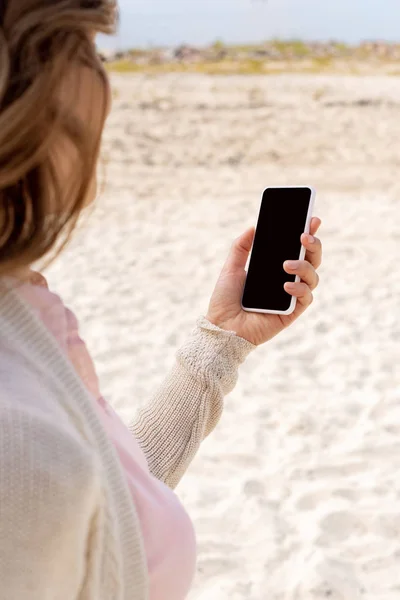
(87,510)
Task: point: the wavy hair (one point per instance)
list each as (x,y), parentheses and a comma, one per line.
(41,43)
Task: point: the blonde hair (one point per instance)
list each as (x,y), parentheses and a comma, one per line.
(41,41)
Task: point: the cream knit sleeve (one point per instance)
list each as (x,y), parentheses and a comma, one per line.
(189,404)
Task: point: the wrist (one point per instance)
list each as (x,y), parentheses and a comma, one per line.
(221,324)
(230,326)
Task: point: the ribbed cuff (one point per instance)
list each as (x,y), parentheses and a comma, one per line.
(214,354)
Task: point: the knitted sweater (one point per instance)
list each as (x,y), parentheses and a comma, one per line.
(68,527)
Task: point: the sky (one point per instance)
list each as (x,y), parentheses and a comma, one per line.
(146,23)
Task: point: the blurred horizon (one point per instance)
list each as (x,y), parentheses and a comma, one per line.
(174,22)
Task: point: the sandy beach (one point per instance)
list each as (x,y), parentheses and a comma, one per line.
(296,496)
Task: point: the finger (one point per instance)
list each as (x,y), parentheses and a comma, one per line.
(304,270)
(240,250)
(315,225)
(313,248)
(301,291)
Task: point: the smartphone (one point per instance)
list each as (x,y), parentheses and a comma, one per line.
(285,214)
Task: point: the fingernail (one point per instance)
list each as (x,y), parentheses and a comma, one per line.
(292,264)
(311,239)
(290,286)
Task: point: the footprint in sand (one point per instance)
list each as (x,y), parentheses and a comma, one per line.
(339,526)
(319,577)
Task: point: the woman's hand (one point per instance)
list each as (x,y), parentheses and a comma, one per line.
(225,309)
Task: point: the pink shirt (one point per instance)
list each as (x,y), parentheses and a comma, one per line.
(167,531)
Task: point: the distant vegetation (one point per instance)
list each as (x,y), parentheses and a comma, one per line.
(275,56)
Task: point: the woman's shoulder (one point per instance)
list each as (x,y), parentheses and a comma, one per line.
(37,432)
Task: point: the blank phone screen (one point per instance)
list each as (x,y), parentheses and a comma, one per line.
(282,220)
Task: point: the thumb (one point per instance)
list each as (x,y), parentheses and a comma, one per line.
(240,250)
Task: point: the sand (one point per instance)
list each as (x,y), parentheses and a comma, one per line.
(296,496)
